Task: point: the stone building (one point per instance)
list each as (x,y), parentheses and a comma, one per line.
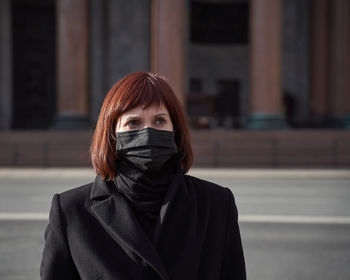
(264,82)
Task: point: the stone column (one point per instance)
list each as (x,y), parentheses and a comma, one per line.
(340,63)
(266,107)
(72,64)
(168,42)
(319,61)
(5,65)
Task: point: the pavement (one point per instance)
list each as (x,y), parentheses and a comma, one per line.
(295,223)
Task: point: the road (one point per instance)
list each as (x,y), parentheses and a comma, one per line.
(295,224)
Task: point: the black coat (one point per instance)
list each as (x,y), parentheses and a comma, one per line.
(93,233)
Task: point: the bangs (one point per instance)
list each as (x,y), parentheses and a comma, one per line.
(141,92)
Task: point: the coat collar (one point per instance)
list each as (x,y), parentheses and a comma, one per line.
(116,216)
(101,189)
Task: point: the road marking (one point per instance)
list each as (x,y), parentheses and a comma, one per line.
(288,219)
(294,219)
(238,173)
(24,216)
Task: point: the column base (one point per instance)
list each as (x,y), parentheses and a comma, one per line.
(336,122)
(346,121)
(267,121)
(331,122)
(71,122)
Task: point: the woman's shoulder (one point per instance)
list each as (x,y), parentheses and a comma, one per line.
(78,191)
(75,196)
(206,188)
(209,197)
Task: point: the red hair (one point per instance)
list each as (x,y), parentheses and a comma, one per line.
(137,89)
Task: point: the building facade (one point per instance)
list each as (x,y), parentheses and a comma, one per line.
(264,82)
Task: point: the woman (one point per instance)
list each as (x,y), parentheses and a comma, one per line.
(142,217)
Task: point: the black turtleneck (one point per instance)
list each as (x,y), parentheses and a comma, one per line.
(146,191)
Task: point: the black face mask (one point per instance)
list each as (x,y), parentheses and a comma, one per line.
(147,148)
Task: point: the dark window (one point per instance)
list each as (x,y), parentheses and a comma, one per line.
(228,103)
(195,85)
(223,23)
(33,38)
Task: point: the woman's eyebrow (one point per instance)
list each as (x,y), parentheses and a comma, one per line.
(162,114)
(132,117)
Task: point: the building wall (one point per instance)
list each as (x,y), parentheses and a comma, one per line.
(210,63)
(218,148)
(119,44)
(295,56)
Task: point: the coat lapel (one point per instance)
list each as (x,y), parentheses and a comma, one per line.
(117,218)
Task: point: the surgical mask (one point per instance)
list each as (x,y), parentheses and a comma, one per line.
(147,148)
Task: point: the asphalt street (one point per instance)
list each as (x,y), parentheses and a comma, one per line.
(295,224)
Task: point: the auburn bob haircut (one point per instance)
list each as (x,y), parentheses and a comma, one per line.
(137,89)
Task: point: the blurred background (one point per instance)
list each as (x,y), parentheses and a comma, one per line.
(264,82)
(266,88)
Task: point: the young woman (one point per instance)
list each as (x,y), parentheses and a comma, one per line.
(142,217)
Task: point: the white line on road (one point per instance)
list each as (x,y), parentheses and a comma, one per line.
(294,219)
(242,218)
(24,216)
(251,173)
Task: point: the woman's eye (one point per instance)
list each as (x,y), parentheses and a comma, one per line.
(160,121)
(132,123)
